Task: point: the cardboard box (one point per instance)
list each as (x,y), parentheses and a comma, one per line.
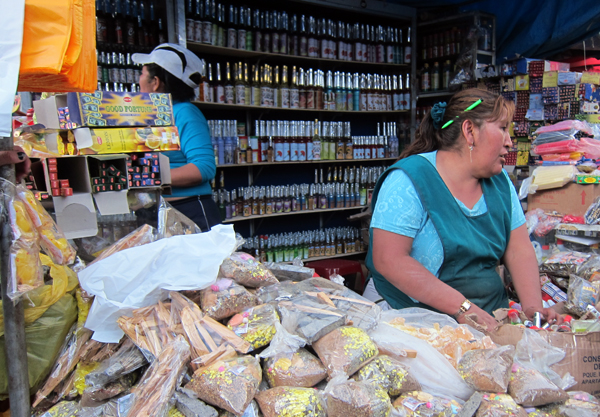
(582,358)
(124,140)
(581,230)
(523,65)
(109,108)
(571,199)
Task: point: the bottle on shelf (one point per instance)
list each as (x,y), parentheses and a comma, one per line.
(229,87)
(242,31)
(435,76)
(446,75)
(425,80)
(257,30)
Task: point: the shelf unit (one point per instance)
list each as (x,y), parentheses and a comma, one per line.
(340,255)
(221,106)
(291,213)
(323,161)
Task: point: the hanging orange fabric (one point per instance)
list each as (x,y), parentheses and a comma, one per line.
(59,46)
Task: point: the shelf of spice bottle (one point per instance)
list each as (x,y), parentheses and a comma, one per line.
(320,161)
(263,216)
(319,258)
(221,106)
(242,53)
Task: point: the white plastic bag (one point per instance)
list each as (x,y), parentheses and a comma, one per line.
(141,276)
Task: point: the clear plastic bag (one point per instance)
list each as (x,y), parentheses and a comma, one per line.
(229,384)
(140,236)
(590,269)
(247,271)
(290,401)
(563,264)
(253,410)
(255,325)
(171,222)
(390,374)
(294,369)
(423,404)
(52,239)
(345,350)
(356,398)
(487,370)
(499,405)
(566,125)
(580,294)
(63,409)
(579,404)
(530,388)
(153,393)
(224,299)
(285,272)
(96,396)
(540,223)
(188,404)
(126,360)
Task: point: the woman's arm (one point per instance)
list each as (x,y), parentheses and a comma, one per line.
(521,262)
(391,257)
(186,176)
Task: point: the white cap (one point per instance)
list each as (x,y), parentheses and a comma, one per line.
(177,60)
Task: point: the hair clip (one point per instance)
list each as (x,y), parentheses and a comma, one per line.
(471,107)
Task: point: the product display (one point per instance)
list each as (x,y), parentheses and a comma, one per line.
(294,369)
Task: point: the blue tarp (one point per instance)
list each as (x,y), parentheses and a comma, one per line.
(531,28)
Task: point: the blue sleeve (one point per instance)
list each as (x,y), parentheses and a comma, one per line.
(194,135)
(398,208)
(518,217)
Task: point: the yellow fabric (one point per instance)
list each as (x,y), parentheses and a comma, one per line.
(59,46)
(37,301)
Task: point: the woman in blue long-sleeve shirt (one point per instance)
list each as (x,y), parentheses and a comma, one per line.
(173,69)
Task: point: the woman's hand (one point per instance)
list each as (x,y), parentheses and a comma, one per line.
(548,314)
(19,159)
(483,318)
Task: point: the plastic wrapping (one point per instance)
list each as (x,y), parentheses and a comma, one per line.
(81,371)
(530,388)
(487,370)
(580,294)
(356,398)
(540,223)
(171,222)
(229,384)
(286,290)
(255,325)
(499,405)
(591,148)
(126,360)
(572,156)
(96,396)
(309,318)
(52,240)
(423,404)
(294,369)
(563,264)
(291,401)
(557,136)
(140,236)
(566,125)
(592,214)
(579,404)
(63,409)
(253,410)
(152,394)
(590,270)
(345,350)
(566,146)
(222,300)
(247,271)
(285,272)
(390,374)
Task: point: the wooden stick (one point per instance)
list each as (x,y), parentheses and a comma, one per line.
(323,297)
(307,309)
(237,342)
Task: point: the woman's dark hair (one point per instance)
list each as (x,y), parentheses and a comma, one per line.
(179,90)
(492,108)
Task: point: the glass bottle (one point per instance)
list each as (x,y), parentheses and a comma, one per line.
(275,88)
(229,87)
(247,86)
(257,29)
(425,80)
(315,141)
(299,133)
(284,90)
(242,30)
(231,29)
(283,33)
(275,35)
(249,30)
(319,102)
(301,89)
(207,23)
(303,39)
(313,44)
(446,75)
(435,77)
(294,48)
(408,47)
(240,86)
(266,45)
(294,91)
(406,100)
(255,88)
(310,89)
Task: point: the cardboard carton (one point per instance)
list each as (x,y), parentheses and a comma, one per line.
(124,140)
(582,358)
(571,199)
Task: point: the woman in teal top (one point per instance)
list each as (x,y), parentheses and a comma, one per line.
(170,68)
(446,215)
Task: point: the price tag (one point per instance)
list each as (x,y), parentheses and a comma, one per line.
(522,82)
(550,79)
(589,77)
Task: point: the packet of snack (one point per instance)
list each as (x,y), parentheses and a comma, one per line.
(487,370)
(579,404)
(255,325)
(356,398)
(226,298)
(562,264)
(230,384)
(530,388)
(245,270)
(499,405)
(290,401)
(580,294)
(390,374)
(345,350)
(423,404)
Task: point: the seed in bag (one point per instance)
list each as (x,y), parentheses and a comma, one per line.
(580,294)
(255,325)
(310,318)
(229,384)
(580,404)
(290,401)
(487,370)
(531,389)
(390,374)
(226,298)
(357,399)
(499,405)
(294,369)
(345,350)
(423,404)
(244,269)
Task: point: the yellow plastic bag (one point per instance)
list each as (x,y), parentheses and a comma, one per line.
(58,46)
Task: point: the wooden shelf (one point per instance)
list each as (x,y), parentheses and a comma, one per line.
(221,106)
(321,161)
(203,48)
(268,216)
(320,258)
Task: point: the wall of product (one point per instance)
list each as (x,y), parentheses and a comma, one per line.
(124,27)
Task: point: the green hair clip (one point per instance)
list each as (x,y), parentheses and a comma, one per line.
(471,107)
